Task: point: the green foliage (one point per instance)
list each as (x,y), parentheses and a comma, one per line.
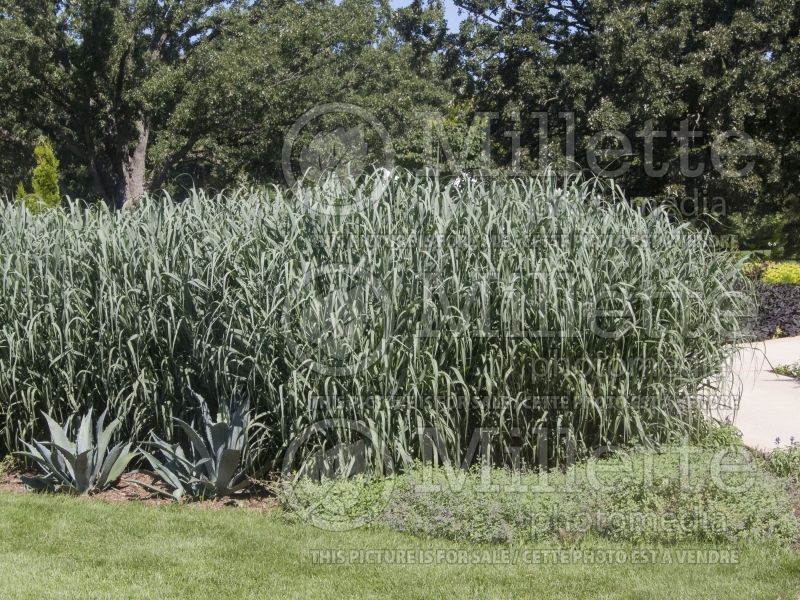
(46,192)
(754,269)
(335,504)
(153,95)
(782,272)
(79,467)
(8,464)
(790,370)
(210,466)
(784,461)
(723,436)
(764,234)
(475,305)
(618,65)
(678,495)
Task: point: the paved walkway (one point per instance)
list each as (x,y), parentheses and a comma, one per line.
(770,404)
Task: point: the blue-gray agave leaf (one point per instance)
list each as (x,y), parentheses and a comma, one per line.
(79,467)
(211,464)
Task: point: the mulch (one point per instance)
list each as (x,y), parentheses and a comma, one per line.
(129,489)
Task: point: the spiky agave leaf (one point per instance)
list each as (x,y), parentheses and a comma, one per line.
(115,463)
(210,467)
(82,466)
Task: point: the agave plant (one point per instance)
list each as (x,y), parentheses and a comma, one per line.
(79,467)
(209,466)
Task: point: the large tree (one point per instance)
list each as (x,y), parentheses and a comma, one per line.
(717,65)
(133,92)
(104,77)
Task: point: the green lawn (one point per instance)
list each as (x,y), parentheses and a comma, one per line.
(55,547)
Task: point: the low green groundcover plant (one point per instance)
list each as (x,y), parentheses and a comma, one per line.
(782,272)
(722,436)
(790,370)
(784,461)
(772,272)
(714,493)
(378,308)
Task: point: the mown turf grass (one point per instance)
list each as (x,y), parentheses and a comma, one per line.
(57,547)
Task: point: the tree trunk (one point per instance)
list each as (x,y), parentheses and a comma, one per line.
(131,167)
(103,180)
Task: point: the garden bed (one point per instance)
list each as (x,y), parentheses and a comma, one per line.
(129,489)
(676,495)
(778,311)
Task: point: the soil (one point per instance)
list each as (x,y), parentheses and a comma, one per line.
(129,489)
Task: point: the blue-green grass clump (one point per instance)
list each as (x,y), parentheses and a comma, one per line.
(390,306)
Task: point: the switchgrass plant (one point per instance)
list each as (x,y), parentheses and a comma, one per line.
(400,313)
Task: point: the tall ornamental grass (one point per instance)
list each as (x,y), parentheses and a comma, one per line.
(406,313)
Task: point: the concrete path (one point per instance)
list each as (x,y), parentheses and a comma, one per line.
(770,404)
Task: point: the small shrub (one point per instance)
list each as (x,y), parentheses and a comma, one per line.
(79,467)
(723,436)
(8,465)
(785,461)
(46,192)
(782,272)
(754,269)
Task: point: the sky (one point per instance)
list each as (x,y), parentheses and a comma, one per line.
(450,12)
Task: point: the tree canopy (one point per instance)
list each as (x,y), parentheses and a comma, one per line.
(141,95)
(136,93)
(669,66)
